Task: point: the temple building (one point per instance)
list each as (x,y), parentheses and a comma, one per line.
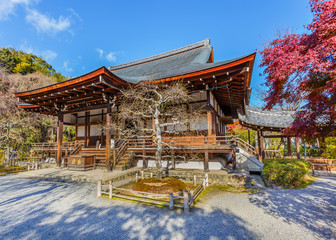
(85,102)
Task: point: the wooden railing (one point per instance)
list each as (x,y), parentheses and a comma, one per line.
(272,153)
(245,146)
(52,146)
(78,146)
(200,142)
(119,150)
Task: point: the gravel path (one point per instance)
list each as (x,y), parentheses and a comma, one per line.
(35,209)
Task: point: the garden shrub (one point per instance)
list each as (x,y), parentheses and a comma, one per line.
(287,173)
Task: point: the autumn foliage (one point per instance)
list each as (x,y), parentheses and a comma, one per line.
(303,66)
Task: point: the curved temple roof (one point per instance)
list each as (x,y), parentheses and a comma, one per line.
(188,59)
(275,119)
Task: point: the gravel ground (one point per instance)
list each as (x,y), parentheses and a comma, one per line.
(36,209)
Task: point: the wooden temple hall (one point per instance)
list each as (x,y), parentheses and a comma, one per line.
(85,102)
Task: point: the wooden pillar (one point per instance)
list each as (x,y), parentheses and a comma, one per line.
(108,137)
(297,141)
(249,136)
(206,161)
(209,123)
(102,131)
(209,114)
(261,153)
(85,130)
(59,139)
(322,146)
(144,161)
(88,128)
(234,160)
(289,146)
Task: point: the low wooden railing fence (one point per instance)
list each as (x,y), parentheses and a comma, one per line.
(183,200)
(272,153)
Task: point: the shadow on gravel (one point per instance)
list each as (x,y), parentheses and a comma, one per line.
(313,207)
(54,211)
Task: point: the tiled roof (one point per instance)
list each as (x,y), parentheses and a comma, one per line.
(264,118)
(188,59)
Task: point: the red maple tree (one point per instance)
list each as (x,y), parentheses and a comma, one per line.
(304,66)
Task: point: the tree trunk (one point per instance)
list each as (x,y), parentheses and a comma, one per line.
(158,154)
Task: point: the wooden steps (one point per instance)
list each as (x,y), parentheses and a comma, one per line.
(125,162)
(100,156)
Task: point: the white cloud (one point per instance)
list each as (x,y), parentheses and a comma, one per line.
(111,56)
(67,67)
(74,13)
(47,55)
(44,23)
(101,52)
(8,7)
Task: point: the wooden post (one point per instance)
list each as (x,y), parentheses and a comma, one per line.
(171,201)
(99,188)
(59,139)
(110,189)
(323,145)
(86,130)
(194,180)
(108,138)
(173,158)
(191,197)
(28,167)
(249,136)
(136,177)
(289,149)
(297,141)
(206,179)
(261,153)
(142,175)
(209,114)
(36,165)
(186,201)
(206,161)
(234,160)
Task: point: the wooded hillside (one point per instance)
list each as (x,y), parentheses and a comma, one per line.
(20,71)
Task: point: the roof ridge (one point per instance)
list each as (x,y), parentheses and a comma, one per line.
(205,42)
(283,111)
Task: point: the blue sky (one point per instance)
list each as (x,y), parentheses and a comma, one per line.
(76,37)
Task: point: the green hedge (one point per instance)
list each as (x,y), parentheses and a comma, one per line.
(287,173)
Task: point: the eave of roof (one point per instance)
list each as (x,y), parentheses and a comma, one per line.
(73,81)
(273,119)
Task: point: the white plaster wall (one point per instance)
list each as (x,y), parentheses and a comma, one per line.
(95,130)
(81,131)
(69,118)
(200,124)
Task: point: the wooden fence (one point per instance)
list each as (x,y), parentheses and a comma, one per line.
(183,200)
